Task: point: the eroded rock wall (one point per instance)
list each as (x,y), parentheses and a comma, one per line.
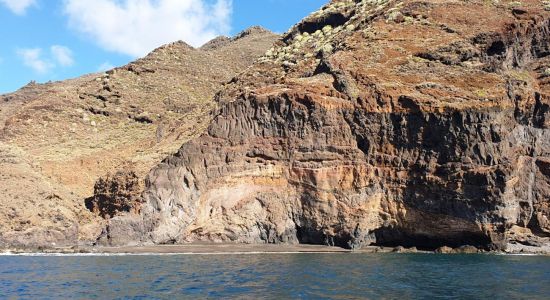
(400,125)
(291,170)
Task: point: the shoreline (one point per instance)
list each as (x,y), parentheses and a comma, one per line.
(220,249)
(240,249)
(186,249)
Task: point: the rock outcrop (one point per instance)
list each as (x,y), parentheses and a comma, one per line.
(413,123)
(115,194)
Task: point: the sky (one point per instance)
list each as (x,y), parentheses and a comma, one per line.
(45,40)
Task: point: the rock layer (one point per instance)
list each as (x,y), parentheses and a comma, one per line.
(414,123)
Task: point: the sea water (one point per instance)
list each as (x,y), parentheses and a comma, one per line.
(276,276)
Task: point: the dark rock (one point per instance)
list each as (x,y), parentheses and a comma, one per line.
(116,194)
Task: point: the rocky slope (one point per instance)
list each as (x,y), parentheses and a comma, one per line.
(57,139)
(415,123)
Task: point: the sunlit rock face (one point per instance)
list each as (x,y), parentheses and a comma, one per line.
(415,123)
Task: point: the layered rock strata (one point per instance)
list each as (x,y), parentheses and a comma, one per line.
(414,123)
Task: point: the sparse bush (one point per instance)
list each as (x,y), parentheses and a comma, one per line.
(328,48)
(481,93)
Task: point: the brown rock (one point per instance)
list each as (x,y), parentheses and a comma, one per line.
(354,130)
(401,249)
(466,250)
(444,250)
(116,194)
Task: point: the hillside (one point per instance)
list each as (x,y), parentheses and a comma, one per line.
(57,139)
(373,122)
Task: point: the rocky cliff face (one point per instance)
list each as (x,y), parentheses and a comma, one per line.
(57,139)
(415,123)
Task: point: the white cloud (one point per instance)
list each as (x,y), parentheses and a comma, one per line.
(135,27)
(32,58)
(105,66)
(18,6)
(62,55)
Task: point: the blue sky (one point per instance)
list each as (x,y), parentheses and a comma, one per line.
(58,39)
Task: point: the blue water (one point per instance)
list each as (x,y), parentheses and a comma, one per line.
(276,276)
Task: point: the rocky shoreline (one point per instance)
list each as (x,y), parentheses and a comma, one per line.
(228,248)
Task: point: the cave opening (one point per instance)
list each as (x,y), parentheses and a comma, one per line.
(496,48)
(310,236)
(332,19)
(394,237)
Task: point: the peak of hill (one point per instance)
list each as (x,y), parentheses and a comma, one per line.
(253,33)
(216,43)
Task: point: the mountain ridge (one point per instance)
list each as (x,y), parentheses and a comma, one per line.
(71,133)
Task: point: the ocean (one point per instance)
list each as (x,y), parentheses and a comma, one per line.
(276,276)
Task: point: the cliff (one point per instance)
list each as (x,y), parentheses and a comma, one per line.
(374,122)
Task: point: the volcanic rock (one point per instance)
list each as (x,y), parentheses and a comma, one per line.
(114,194)
(413,123)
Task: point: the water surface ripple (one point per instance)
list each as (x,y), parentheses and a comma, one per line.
(276,276)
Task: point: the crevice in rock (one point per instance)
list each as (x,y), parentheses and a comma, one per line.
(341,82)
(97,111)
(141,119)
(541,111)
(331,19)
